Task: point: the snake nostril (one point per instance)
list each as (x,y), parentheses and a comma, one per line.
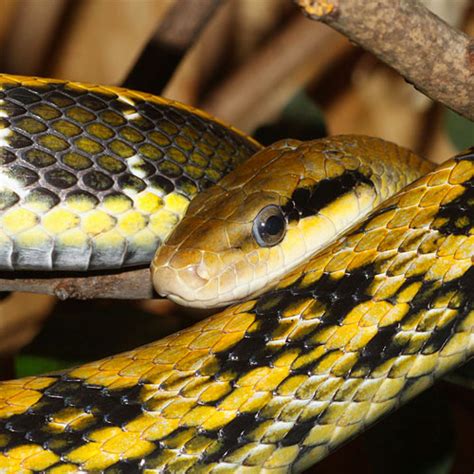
(203,272)
(195,276)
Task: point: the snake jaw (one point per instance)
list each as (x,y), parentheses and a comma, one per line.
(187,278)
(170,283)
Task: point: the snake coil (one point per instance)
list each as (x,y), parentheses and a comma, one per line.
(93,176)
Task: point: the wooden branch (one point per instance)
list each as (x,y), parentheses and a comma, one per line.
(124,284)
(436,58)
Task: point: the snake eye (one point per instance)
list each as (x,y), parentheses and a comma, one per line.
(269,226)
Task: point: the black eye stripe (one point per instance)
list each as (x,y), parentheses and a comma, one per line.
(269,226)
(306,202)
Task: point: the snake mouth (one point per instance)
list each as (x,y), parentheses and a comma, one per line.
(196,285)
(193,286)
(182,284)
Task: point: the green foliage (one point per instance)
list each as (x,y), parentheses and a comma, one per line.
(460,130)
(26,364)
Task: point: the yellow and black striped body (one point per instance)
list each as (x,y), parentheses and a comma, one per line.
(95,177)
(274,384)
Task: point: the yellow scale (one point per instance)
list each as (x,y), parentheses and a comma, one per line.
(96,177)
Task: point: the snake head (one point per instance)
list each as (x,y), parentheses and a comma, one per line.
(284,204)
(211,260)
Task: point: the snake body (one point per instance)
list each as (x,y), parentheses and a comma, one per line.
(95,177)
(275,383)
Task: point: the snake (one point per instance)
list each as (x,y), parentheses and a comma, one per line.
(345,265)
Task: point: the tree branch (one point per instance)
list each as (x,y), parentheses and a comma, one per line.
(124,284)
(436,58)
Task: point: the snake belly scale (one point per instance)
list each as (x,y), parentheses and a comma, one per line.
(276,383)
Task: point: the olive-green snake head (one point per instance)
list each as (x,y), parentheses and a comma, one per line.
(276,210)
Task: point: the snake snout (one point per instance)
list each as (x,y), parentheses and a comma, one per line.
(182,286)
(194,276)
(182,277)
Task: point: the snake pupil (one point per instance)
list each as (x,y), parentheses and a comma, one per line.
(274,225)
(269,226)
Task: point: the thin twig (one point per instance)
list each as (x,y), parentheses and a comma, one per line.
(124,284)
(436,58)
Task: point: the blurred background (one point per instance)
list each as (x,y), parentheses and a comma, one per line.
(261,66)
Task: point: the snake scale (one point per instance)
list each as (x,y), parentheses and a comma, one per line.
(272,384)
(96,177)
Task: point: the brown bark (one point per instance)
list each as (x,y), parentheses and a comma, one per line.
(436,58)
(125,284)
